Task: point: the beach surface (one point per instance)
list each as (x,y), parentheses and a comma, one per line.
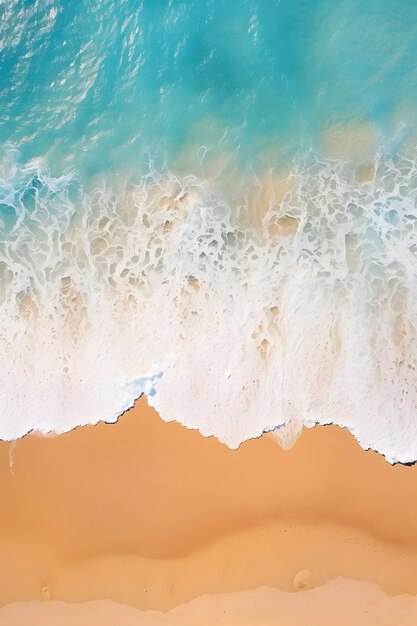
(114,521)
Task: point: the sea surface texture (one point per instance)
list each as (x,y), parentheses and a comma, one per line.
(212,202)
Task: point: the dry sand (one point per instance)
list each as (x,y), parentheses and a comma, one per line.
(150,515)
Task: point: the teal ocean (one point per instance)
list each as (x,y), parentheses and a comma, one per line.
(93,86)
(212,202)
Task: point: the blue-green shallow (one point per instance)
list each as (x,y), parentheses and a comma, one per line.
(96,85)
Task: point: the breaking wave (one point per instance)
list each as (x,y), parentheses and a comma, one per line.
(241,305)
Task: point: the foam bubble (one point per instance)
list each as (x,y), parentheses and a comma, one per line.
(234,320)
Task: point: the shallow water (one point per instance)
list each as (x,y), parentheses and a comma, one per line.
(96,84)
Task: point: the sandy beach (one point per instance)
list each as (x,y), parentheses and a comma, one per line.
(151,516)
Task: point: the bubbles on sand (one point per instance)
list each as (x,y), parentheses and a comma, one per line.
(46,593)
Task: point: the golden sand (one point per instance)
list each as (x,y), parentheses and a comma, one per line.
(150,515)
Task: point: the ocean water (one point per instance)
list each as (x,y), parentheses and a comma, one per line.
(212,202)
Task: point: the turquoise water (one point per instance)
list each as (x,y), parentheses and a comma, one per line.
(95,85)
(212,202)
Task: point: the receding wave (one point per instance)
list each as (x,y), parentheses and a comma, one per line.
(239,307)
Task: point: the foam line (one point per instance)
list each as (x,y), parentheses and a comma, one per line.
(260,308)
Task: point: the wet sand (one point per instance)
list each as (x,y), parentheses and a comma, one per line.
(340,602)
(151,515)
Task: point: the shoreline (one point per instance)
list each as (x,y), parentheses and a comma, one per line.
(171,272)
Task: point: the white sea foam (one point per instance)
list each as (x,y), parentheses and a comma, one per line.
(236,313)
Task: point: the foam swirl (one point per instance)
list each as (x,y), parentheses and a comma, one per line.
(289,304)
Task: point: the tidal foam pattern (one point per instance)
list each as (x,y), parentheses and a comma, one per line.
(276,302)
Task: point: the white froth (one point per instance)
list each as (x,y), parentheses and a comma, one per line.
(235,325)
